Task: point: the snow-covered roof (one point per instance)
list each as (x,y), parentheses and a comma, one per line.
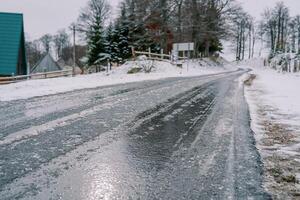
(46,64)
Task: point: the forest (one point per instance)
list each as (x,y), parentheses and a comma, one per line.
(157,24)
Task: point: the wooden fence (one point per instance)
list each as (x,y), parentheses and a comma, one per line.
(156,56)
(55,74)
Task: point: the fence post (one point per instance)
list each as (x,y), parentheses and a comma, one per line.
(149,52)
(162,54)
(108,66)
(133,53)
(13,76)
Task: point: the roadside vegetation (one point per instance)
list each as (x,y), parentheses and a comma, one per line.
(250,79)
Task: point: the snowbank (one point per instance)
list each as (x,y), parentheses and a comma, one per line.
(274,102)
(34,88)
(280,90)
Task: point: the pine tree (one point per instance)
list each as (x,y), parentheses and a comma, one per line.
(122,30)
(115,46)
(109,44)
(91,22)
(96,42)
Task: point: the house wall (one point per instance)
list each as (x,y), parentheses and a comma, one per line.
(12,47)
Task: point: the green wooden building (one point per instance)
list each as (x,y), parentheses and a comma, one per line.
(12,45)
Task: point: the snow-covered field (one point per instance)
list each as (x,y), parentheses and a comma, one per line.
(274,101)
(280,90)
(34,88)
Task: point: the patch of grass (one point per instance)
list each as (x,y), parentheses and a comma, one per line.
(99,97)
(289,179)
(279,176)
(214,59)
(277,133)
(276,172)
(296,194)
(250,80)
(134,70)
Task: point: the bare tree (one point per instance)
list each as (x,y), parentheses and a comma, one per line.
(46,42)
(96,11)
(281,15)
(61,40)
(178,6)
(268,28)
(297,21)
(33,52)
(243,29)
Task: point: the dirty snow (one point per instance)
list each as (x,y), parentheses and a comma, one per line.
(34,88)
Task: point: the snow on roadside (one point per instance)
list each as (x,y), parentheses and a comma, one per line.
(274,102)
(34,88)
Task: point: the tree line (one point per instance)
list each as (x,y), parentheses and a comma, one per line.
(157,24)
(277,30)
(281,30)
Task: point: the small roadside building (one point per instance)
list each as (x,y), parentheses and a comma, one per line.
(46,64)
(12,45)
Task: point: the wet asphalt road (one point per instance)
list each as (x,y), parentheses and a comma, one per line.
(176,138)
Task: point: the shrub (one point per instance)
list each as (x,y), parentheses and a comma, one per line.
(134,70)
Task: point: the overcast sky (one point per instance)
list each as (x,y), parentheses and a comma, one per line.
(48,16)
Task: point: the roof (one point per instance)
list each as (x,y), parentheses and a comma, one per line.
(11,36)
(46,64)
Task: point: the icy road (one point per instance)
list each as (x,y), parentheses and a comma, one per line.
(176,138)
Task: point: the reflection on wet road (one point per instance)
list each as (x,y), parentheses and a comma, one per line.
(177,138)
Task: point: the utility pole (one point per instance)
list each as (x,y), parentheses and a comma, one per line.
(74,49)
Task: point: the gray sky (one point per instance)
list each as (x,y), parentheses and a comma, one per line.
(47,16)
(256,7)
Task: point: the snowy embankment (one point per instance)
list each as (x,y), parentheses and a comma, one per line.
(119,75)
(274,102)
